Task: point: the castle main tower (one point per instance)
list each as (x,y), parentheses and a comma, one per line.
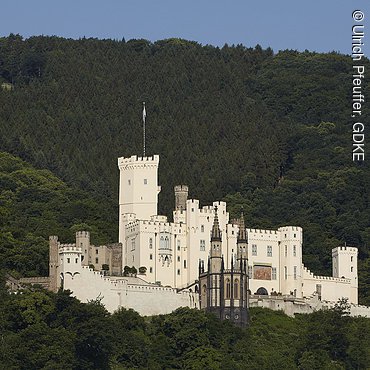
(138,189)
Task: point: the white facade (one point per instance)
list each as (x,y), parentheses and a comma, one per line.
(116,292)
(170,251)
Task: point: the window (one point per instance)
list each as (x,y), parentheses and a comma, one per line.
(228,289)
(351,269)
(294,251)
(250,271)
(295,272)
(150,256)
(285,273)
(202,245)
(178,245)
(351,258)
(254,249)
(286,251)
(178,271)
(273,277)
(150,243)
(295,235)
(202,228)
(68,260)
(184,264)
(129,182)
(76,260)
(192,209)
(236,288)
(132,244)
(269,251)
(145,181)
(96,260)
(178,258)
(96,251)
(151,270)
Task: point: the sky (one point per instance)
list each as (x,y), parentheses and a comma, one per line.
(316,25)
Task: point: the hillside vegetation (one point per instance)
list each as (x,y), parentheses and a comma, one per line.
(43,330)
(267,132)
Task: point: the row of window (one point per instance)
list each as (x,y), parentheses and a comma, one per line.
(145,182)
(269,250)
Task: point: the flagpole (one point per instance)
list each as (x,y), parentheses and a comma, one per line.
(144,117)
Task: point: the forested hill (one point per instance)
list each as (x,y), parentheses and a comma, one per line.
(267,132)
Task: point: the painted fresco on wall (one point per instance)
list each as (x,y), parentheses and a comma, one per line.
(262,272)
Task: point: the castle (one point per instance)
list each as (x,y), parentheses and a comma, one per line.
(201,259)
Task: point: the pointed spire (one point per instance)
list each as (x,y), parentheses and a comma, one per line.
(216,232)
(242,235)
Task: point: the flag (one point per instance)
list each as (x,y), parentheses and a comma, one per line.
(144,112)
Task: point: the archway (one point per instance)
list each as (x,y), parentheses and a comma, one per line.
(262,291)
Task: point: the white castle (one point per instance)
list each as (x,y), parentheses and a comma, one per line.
(167,255)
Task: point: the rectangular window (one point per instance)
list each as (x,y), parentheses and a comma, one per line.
(150,256)
(295,272)
(273,277)
(96,251)
(250,271)
(151,270)
(184,264)
(285,273)
(68,260)
(294,251)
(202,228)
(286,251)
(150,243)
(178,258)
(254,249)
(202,245)
(269,251)
(76,260)
(145,181)
(132,244)
(178,271)
(178,245)
(96,260)
(129,182)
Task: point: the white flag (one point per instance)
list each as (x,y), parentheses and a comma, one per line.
(144,113)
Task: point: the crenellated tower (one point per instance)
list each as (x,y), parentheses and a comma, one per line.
(138,189)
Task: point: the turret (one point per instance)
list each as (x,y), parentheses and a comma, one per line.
(215,254)
(345,266)
(53,263)
(83,242)
(242,241)
(181,196)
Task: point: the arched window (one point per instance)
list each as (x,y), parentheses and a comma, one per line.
(236,288)
(228,289)
(203,300)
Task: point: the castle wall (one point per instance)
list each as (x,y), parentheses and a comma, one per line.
(114,293)
(328,288)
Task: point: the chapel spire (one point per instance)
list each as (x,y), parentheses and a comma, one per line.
(242,235)
(216,232)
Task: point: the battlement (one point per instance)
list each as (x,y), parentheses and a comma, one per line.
(135,160)
(262,231)
(181,188)
(159,218)
(316,277)
(69,248)
(82,234)
(349,250)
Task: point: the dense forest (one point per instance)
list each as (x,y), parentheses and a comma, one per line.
(43,330)
(267,132)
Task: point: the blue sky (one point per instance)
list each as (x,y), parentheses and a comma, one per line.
(286,24)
